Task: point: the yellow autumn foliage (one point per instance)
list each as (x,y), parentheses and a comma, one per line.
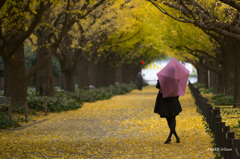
(229,114)
(121,127)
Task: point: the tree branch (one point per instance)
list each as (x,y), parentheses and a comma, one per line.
(181,19)
(2,2)
(201,63)
(218,30)
(202,52)
(232,4)
(131,37)
(31,40)
(93,8)
(3,40)
(64,27)
(16,43)
(218,38)
(39,64)
(204,20)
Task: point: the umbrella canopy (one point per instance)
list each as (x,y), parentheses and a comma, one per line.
(173,79)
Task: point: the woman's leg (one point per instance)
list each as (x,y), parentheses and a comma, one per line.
(172,125)
(170,134)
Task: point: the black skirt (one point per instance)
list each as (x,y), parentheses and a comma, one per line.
(167,107)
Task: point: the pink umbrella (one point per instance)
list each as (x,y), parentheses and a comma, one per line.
(173,79)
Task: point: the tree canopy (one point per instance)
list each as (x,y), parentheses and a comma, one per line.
(114,32)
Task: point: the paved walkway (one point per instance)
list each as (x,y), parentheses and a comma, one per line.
(121,127)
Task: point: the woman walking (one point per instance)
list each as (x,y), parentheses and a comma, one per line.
(139,80)
(172,81)
(168,108)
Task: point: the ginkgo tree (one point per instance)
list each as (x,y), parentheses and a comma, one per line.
(181,40)
(60,30)
(18,20)
(220,19)
(192,45)
(104,51)
(88,36)
(139,31)
(132,41)
(102,36)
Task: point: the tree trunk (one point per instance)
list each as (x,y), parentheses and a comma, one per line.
(44,84)
(129,72)
(111,76)
(16,83)
(126,73)
(118,73)
(202,75)
(220,83)
(94,74)
(44,77)
(69,80)
(214,81)
(69,66)
(217,82)
(103,73)
(83,76)
(1,83)
(228,66)
(106,74)
(237,75)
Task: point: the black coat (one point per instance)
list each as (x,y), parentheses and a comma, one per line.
(167,107)
(139,82)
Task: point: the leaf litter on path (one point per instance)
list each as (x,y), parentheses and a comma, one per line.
(121,127)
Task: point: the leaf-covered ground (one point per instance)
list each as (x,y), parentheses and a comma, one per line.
(230,115)
(121,127)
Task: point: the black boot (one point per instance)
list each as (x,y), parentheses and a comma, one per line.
(167,141)
(177,140)
(169,138)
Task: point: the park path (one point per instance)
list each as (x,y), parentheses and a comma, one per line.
(121,127)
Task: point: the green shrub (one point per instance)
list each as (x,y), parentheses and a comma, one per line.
(31,91)
(199,85)
(103,93)
(209,90)
(221,99)
(54,104)
(216,96)
(5,123)
(230,111)
(63,101)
